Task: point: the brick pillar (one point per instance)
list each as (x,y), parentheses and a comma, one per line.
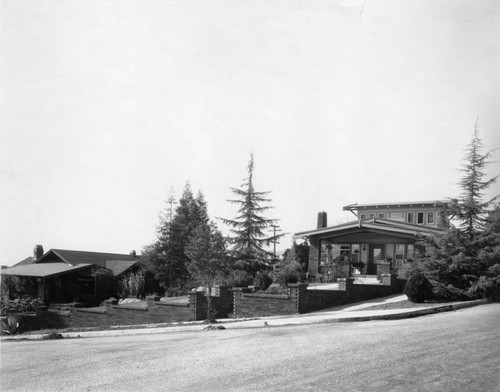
(198,305)
(109,305)
(298,292)
(345,284)
(237,298)
(150,301)
(389,279)
(383,267)
(314,253)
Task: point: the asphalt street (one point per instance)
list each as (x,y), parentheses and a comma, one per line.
(452,351)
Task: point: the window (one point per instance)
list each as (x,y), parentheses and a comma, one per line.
(410,252)
(362,216)
(399,253)
(430,218)
(355,253)
(410,217)
(372,215)
(381,215)
(420,218)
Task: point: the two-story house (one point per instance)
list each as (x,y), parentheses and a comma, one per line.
(381,233)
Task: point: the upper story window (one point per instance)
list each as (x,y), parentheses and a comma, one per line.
(430,218)
(420,218)
(410,217)
(362,216)
(372,215)
(381,215)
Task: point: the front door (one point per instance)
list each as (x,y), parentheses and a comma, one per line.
(376,254)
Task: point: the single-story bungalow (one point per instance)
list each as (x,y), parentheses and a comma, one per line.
(383,234)
(63,276)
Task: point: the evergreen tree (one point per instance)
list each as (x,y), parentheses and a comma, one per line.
(250,225)
(460,263)
(470,208)
(167,255)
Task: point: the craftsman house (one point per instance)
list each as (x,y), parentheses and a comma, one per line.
(71,276)
(381,239)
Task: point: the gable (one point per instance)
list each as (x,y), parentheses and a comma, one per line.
(119,267)
(75,257)
(372,228)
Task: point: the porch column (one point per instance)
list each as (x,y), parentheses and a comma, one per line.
(314,253)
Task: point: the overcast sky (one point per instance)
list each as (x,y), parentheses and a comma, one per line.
(106,105)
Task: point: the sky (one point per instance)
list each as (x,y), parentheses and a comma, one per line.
(108,105)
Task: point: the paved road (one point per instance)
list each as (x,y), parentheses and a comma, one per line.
(454,351)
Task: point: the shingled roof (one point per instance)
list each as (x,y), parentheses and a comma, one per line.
(26,261)
(44,270)
(75,257)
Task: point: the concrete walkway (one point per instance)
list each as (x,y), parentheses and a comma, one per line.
(347,313)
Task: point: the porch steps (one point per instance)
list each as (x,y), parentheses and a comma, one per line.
(366,279)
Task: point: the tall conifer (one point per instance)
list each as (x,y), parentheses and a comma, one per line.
(249,226)
(470,207)
(168,254)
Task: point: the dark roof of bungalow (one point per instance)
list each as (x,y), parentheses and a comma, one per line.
(26,261)
(75,257)
(44,270)
(119,267)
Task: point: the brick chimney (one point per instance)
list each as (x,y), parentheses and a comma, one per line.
(38,251)
(322,222)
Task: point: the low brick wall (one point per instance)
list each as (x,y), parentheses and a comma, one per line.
(248,304)
(110,315)
(116,315)
(301,300)
(311,300)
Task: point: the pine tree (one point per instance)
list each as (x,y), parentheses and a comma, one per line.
(460,262)
(250,225)
(167,255)
(469,207)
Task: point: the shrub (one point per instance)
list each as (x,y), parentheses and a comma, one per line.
(239,278)
(132,285)
(287,275)
(20,305)
(10,324)
(262,281)
(10,308)
(418,288)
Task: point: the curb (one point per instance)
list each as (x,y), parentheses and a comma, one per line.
(265,323)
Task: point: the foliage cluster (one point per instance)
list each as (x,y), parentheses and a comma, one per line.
(464,262)
(289,273)
(238,278)
(418,288)
(16,287)
(132,285)
(19,305)
(166,258)
(262,281)
(249,227)
(207,255)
